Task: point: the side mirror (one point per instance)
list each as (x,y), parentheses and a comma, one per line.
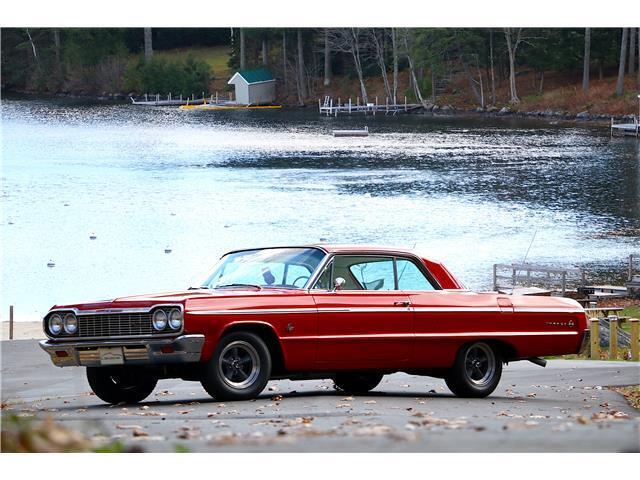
(338,283)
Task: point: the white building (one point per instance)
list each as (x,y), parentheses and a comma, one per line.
(254,87)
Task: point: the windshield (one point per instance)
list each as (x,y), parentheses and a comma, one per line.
(269,267)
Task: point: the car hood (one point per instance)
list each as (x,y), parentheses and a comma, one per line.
(177,297)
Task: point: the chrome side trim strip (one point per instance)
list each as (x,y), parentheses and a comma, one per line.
(282,311)
(425,335)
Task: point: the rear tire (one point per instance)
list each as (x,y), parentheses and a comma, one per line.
(239,368)
(357,382)
(119,385)
(476,371)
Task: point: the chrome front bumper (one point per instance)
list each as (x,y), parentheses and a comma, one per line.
(148,351)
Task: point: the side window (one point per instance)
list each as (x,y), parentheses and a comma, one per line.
(410,277)
(374,273)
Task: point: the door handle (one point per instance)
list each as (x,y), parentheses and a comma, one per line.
(404,303)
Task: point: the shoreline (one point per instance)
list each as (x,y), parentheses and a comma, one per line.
(428,109)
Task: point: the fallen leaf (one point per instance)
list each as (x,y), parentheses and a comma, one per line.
(139,433)
(128,427)
(371,402)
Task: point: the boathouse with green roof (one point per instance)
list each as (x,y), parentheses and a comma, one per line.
(254,87)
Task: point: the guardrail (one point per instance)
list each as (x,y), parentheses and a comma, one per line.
(594,327)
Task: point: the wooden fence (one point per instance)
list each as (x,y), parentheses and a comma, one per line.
(594,327)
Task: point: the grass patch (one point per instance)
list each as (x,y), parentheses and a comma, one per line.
(216,57)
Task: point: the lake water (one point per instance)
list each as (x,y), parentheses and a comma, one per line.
(469,191)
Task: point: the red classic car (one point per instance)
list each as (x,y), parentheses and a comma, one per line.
(349,313)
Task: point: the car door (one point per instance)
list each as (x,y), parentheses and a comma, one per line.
(367,323)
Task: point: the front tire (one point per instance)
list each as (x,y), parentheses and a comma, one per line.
(239,368)
(119,385)
(357,382)
(476,371)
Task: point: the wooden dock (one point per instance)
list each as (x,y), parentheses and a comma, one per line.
(530,275)
(331,108)
(626,129)
(168,101)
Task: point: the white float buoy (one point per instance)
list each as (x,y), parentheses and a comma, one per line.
(173,214)
(51,264)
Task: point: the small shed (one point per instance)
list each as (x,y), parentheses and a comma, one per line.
(254,87)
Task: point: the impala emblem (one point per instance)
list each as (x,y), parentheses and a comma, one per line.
(290,327)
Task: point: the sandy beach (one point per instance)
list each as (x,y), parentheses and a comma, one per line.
(23,330)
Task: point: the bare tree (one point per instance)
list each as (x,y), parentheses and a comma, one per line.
(243,51)
(376,37)
(407,43)
(33,47)
(513,36)
(148,44)
(327,59)
(585,65)
(284,56)
(348,40)
(632,51)
(493,83)
(394,47)
(265,52)
(623,57)
(302,87)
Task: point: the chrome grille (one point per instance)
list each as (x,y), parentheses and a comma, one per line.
(115,325)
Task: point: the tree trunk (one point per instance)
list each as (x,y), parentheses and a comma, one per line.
(472,84)
(301,79)
(414,81)
(394,46)
(493,82)
(621,66)
(585,65)
(265,53)
(243,52)
(379,48)
(327,59)
(284,57)
(512,47)
(632,51)
(56,47)
(148,44)
(638,80)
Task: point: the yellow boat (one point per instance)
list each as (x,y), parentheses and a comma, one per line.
(228,107)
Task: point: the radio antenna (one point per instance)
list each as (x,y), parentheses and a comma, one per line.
(524,260)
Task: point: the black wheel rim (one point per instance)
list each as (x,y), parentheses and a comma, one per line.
(479,364)
(239,364)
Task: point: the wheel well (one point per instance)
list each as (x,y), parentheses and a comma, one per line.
(506,350)
(269,337)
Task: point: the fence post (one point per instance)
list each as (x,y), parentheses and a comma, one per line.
(10,322)
(630,267)
(595,338)
(635,346)
(564,282)
(613,337)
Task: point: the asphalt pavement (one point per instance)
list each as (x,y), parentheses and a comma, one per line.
(565,407)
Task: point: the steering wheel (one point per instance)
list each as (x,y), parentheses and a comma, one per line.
(302,277)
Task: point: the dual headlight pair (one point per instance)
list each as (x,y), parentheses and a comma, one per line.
(68,323)
(172,318)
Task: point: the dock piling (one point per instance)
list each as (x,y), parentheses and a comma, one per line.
(594,330)
(613,337)
(635,341)
(10,322)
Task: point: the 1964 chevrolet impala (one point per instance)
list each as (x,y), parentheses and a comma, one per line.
(349,313)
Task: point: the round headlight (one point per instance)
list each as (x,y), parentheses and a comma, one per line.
(70,323)
(55,324)
(159,319)
(175,319)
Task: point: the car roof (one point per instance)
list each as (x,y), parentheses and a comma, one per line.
(335,248)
